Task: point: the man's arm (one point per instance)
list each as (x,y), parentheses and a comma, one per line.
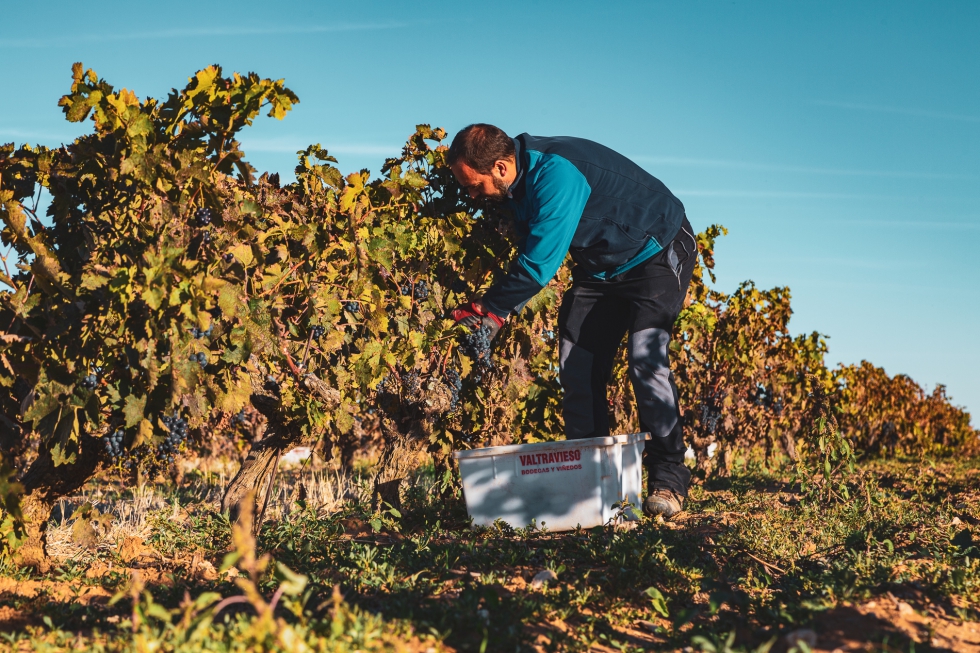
(558,192)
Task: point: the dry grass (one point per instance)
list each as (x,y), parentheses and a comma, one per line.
(323,487)
(129,519)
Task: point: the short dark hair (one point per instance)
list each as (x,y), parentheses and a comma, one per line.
(480,146)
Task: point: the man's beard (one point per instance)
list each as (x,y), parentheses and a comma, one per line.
(501,191)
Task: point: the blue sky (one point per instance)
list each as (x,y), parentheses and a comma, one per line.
(838,141)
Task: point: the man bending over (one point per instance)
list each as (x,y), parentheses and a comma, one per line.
(634,252)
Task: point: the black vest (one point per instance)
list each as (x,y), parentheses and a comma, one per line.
(626,207)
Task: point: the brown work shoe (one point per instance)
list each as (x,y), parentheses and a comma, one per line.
(664,502)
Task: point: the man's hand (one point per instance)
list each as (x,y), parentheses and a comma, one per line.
(474,315)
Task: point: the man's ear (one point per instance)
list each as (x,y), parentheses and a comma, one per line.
(502,166)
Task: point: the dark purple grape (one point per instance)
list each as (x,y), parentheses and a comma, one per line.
(198,334)
(176,435)
(114,444)
(476,345)
(411,382)
(455,385)
(710,408)
(203,216)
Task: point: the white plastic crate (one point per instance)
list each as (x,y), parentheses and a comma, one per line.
(560,485)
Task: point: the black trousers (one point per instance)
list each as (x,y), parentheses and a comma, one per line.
(642,303)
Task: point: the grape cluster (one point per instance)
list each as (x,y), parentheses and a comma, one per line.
(476,345)
(420,291)
(206,237)
(455,385)
(710,418)
(711,411)
(198,333)
(114,444)
(203,217)
(90,381)
(200,357)
(239,418)
(765,397)
(318,332)
(352,307)
(228,258)
(176,434)
(411,382)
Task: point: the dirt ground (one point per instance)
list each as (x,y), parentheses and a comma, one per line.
(849,627)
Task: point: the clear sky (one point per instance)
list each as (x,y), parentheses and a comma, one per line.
(838,141)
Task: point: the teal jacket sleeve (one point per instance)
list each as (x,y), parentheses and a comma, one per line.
(555,198)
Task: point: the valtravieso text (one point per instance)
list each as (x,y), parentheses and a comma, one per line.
(549,458)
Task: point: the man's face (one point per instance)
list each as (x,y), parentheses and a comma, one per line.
(491,186)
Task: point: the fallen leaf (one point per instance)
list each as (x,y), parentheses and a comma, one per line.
(89,526)
(83,533)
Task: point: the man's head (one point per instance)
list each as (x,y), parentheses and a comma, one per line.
(483,161)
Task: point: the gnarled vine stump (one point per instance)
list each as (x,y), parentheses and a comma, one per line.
(409,414)
(44,484)
(257,475)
